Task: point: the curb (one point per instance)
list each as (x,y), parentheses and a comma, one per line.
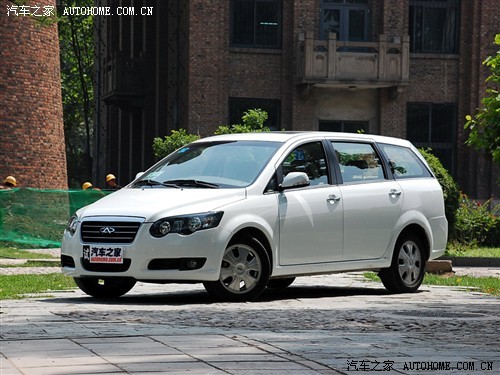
(472,261)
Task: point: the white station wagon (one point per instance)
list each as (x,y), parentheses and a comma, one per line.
(243,212)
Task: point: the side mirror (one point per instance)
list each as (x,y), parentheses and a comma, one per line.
(294,180)
(138,175)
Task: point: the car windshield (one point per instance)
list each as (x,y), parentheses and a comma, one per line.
(211,165)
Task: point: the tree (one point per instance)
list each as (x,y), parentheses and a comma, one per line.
(485,125)
(252,121)
(76,40)
(176,139)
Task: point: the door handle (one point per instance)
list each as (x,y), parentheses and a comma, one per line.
(332,199)
(393,193)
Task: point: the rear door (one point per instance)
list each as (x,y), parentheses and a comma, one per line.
(371,202)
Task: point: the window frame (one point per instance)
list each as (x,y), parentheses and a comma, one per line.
(417,43)
(344,8)
(254,44)
(435,145)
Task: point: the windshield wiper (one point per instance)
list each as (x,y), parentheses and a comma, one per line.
(155,183)
(192,183)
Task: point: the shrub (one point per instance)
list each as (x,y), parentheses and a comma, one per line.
(252,121)
(176,139)
(476,224)
(451,191)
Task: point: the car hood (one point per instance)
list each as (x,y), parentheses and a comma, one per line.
(155,203)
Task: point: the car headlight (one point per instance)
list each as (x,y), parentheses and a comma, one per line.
(72,223)
(185,224)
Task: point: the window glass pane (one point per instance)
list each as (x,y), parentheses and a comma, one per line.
(357,25)
(267,25)
(442,123)
(359,163)
(418,122)
(310,159)
(404,163)
(343,126)
(330,22)
(434,20)
(243,22)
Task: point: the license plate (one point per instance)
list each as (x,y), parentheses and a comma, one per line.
(103,254)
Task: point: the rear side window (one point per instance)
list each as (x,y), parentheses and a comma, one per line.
(359,162)
(404,163)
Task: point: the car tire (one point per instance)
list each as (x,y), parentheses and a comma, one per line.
(106,287)
(280,283)
(407,269)
(245,271)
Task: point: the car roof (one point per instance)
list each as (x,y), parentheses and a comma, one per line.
(286,136)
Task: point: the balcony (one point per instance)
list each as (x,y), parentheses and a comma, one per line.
(338,64)
(124,81)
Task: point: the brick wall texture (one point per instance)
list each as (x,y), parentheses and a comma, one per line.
(31,123)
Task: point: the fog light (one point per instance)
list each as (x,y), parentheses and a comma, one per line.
(192,264)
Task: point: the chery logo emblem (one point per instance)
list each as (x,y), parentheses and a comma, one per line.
(107,230)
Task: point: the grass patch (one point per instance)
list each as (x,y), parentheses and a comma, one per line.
(16,286)
(32,263)
(490,285)
(14,253)
(481,252)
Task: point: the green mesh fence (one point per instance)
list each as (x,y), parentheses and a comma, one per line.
(37,218)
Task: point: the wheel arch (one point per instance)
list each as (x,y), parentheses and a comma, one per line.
(421,233)
(259,236)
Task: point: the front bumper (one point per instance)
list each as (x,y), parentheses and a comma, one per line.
(174,257)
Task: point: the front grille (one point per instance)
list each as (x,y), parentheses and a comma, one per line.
(122,232)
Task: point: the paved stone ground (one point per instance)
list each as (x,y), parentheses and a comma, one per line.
(320,325)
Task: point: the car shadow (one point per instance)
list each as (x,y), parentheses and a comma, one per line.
(201,297)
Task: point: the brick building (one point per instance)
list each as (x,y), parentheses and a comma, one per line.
(31,118)
(404,68)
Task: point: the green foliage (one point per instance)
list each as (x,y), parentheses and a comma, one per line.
(451,191)
(176,139)
(76,40)
(485,124)
(252,122)
(476,223)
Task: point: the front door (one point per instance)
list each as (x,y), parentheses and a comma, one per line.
(311,219)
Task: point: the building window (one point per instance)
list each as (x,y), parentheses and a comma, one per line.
(343,126)
(256,23)
(434,26)
(433,125)
(347,18)
(238,106)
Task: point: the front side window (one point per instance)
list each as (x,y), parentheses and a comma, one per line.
(433,125)
(308,158)
(256,23)
(434,26)
(359,162)
(347,18)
